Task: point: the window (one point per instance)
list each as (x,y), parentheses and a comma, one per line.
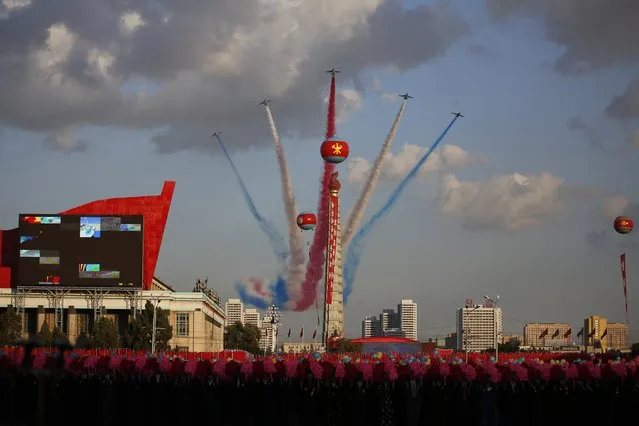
(182,324)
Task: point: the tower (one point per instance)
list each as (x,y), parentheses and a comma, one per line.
(334,284)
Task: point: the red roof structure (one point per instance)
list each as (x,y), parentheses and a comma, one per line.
(385,339)
(155,210)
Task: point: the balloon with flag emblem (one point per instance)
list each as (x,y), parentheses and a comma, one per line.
(334,150)
(306,221)
(624,225)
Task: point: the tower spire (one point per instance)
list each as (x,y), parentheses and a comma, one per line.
(334,285)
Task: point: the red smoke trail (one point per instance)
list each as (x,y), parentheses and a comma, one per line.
(315,267)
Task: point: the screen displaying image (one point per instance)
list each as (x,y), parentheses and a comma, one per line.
(90,227)
(81,251)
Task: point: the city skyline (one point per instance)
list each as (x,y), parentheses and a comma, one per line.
(519,199)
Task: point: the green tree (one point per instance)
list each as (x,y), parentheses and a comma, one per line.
(510,346)
(59,338)
(341,345)
(242,337)
(635,349)
(105,334)
(10,327)
(45,335)
(140,329)
(83,341)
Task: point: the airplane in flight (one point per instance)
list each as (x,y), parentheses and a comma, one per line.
(216,134)
(457,114)
(406,96)
(265,102)
(333,71)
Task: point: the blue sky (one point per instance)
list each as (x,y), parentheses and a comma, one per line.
(517,107)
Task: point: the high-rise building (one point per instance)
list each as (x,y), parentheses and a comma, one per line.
(370,327)
(268,335)
(388,319)
(334,285)
(617,336)
(547,334)
(600,334)
(234,309)
(407,318)
(478,328)
(253,317)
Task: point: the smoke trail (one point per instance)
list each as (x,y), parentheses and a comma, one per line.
(369,187)
(259,293)
(314,269)
(354,252)
(273,235)
(297,259)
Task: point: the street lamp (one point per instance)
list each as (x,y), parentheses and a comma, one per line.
(495,302)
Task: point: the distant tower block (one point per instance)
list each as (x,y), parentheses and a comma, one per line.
(334,284)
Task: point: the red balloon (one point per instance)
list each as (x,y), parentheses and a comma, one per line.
(306,221)
(624,224)
(334,150)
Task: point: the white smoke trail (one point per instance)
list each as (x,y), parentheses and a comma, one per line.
(371,182)
(296,270)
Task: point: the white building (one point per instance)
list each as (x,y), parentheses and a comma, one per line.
(407,318)
(253,317)
(197,320)
(234,309)
(268,335)
(478,328)
(369,327)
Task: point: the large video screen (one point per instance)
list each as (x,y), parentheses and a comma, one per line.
(80,251)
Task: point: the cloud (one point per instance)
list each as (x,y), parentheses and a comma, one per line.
(65,140)
(397,166)
(579,125)
(633,139)
(507,202)
(626,106)
(596,238)
(69,63)
(346,101)
(595,33)
(390,97)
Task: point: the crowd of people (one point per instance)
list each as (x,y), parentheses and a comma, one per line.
(45,386)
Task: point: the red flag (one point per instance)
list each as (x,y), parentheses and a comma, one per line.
(625,284)
(581,332)
(604,334)
(289,332)
(568,333)
(314,333)
(543,334)
(592,333)
(555,334)
(302,332)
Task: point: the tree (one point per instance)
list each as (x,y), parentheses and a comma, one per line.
(59,338)
(338,344)
(242,337)
(45,336)
(10,327)
(510,346)
(105,334)
(83,341)
(140,329)
(635,349)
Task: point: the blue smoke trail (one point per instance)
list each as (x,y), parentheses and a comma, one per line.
(356,247)
(273,235)
(250,299)
(278,294)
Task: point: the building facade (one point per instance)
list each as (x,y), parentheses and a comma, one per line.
(478,328)
(393,323)
(253,317)
(407,316)
(547,334)
(234,310)
(197,320)
(599,334)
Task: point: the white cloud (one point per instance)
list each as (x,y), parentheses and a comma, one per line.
(346,101)
(395,167)
(507,202)
(65,140)
(130,22)
(389,97)
(615,206)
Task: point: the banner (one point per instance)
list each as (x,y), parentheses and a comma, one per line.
(623,281)
(333,232)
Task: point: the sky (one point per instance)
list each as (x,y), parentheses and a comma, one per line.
(106,98)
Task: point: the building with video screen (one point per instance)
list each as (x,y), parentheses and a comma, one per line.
(98,259)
